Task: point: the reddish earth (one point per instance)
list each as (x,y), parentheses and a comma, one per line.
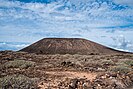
(72,74)
(66,75)
(68,46)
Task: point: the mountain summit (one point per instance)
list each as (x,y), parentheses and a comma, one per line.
(68,46)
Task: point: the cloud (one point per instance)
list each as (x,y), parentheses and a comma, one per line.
(12,45)
(122,43)
(124,2)
(29,22)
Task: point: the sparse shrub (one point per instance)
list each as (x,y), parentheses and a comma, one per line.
(66,56)
(17,82)
(129,62)
(76,56)
(107,62)
(121,69)
(19,64)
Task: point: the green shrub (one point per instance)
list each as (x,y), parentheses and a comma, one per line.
(107,62)
(17,82)
(129,62)
(121,69)
(19,64)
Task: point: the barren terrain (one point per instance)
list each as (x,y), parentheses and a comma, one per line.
(29,70)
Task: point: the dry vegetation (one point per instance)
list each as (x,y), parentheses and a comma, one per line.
(20,70)
(18,64)
(17,82)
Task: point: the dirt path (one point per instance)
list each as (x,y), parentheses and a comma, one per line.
(71,74)
(66,74)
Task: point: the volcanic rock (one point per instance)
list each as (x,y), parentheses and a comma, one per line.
(68,46)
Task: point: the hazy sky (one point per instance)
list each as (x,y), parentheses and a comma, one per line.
(109,22)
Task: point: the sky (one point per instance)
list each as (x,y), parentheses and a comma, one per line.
(108,22)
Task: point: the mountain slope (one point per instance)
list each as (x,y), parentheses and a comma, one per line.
(67,46)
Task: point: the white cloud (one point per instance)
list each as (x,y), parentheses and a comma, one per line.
(125,2)
(29,22)
(12,45)
(122,43)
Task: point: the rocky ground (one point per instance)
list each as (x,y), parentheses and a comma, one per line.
(21,70)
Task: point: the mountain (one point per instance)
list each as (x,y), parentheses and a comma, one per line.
(68,46)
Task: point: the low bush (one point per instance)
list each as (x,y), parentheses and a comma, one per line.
(129,62)
(121,69)
(19,64)
(17,82)
(107,62)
